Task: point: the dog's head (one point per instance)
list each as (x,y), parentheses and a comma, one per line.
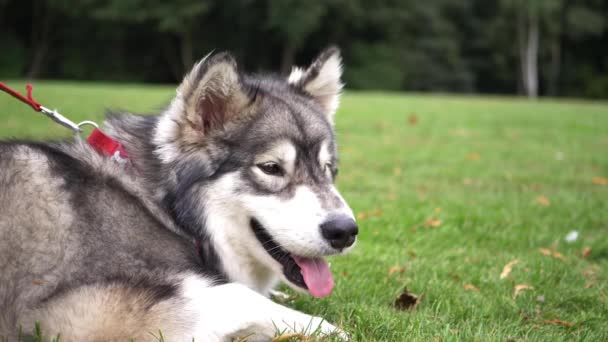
(253,162)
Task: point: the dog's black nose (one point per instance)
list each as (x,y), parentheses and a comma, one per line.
(341,231)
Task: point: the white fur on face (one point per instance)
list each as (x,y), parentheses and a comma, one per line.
(293,222)
(325,158)
(243,258)
(282,152)
(344,209)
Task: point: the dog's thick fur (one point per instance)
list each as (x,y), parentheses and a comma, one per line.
(221,190)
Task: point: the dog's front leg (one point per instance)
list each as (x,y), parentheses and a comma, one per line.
(233,310)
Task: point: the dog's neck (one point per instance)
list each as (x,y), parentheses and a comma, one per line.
(136,133)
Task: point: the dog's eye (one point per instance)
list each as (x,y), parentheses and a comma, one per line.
(271,168)
(330,170)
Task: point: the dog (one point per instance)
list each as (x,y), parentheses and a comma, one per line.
(226,192)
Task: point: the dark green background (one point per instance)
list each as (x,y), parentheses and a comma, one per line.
(431,45)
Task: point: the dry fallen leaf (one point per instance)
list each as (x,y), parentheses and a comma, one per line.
(422,191)
(470,260)
(586,252)
(367,214)
(600,181)
(558,255)
(590,271)
(432,223)
(508,268)
(437,210)
(558,322)
(412,119)
(590,283)
(397,171)
(454,275)
(520,288)
(461,132)
(543,200)
(473,156)
(380,126)
(470,287)
(407,300)
(396,269)
(554,254)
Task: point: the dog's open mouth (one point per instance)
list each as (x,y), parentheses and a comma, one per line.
(312,274)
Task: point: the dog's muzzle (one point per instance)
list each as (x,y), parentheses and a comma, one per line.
(311,274)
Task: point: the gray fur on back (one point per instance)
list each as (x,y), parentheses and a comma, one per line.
(61,207)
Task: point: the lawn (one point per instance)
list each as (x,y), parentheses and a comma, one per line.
(448,191)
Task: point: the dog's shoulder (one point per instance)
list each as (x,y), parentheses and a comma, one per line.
(75,168)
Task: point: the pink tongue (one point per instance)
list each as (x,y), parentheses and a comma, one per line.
(317,275)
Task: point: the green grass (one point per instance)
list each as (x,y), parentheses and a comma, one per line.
(478,165)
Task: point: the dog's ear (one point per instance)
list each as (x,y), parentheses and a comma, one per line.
(322,80)
(212,93)
(209,98)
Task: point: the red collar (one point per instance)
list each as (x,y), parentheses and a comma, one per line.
(107,146)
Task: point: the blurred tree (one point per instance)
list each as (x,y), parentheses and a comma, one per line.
(294,21)
(42,24)
(582,20)
(528,17)
(177,17)
(433,55)
(551,19)
(536,47)
(12,58)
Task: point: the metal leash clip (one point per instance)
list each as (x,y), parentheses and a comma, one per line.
(62,120)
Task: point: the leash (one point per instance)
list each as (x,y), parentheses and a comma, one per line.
(100,141)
